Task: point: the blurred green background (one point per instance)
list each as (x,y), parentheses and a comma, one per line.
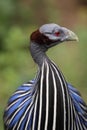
(18,18)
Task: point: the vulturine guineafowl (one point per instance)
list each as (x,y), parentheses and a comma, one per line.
(47,102)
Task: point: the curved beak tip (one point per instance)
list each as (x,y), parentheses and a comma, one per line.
(72,36)
(77,39)
(69,35)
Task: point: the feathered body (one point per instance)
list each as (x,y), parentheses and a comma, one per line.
(48,102)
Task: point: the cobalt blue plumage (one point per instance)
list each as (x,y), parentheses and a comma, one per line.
(79,104)
(22,98)
(21,104)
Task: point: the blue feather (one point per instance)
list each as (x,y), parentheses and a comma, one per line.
(18,103)
(79,104)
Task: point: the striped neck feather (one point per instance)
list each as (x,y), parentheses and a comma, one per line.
(52,97)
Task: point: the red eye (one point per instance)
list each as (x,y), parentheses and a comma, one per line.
(57,34)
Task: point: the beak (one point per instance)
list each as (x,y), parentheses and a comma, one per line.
(69,35)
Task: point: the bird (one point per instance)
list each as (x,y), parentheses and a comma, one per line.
(48,101)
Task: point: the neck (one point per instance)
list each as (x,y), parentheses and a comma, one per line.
(38,53)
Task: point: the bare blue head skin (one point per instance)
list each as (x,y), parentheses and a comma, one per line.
(46,36)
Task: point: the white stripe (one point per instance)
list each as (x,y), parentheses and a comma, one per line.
(35,108)
(24,114)
(26,84)
(41,90)
(14,126)
(76,125)
(71,116)
(18,91)
(47,97)
(17,99)
(12,104)
(23,102)
(80,124)
(27,123)
(22,93)
(76,116)
(85,128)
(68,103)
(84,118)
(83,107)
(55,102)
(9,120)
(63,96)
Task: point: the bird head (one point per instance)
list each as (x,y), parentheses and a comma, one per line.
(49,35)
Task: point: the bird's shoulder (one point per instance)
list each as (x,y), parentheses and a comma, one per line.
(79,104)
(22,100)
(25,90)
